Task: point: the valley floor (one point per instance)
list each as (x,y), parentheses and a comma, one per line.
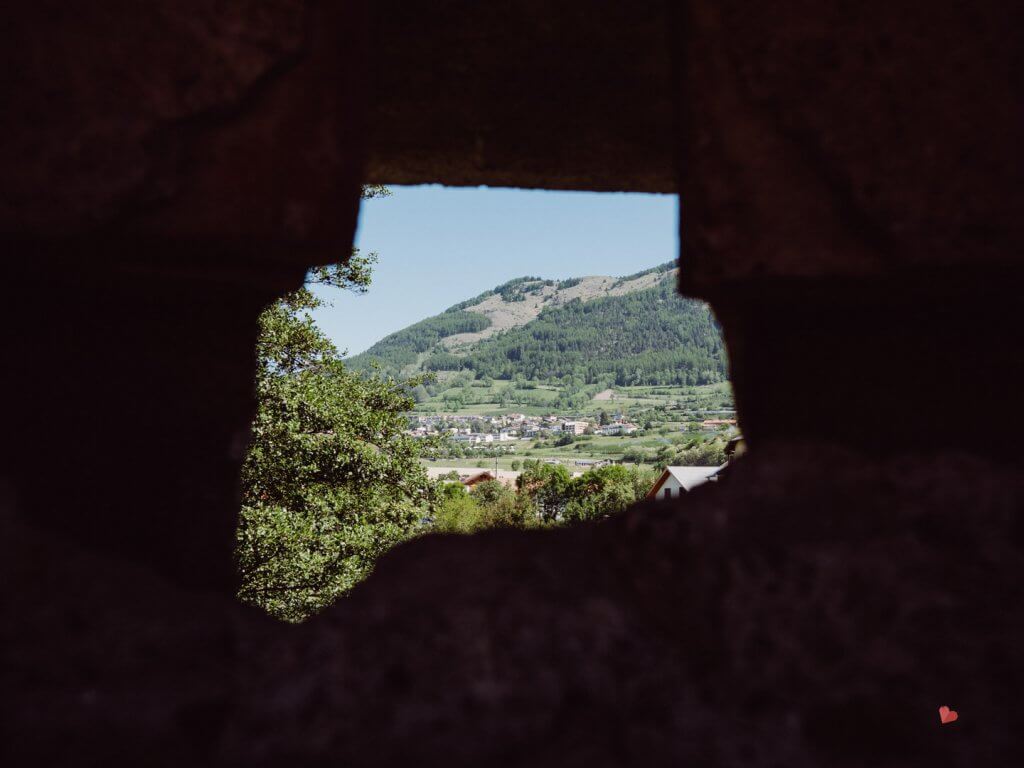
(669,420)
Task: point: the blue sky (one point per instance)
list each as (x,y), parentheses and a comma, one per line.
(441,245)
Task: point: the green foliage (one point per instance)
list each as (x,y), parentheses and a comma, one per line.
(604,491)
(459,514)
(635,456)
(508,291)
(545,485)
(666,267)
(331,480)
(547,495)
(709,453)
(394,352)
(489,505)
(513,289)
(647,337)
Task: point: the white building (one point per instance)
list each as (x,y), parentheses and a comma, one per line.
(675,481)
(475,438)
(618,428)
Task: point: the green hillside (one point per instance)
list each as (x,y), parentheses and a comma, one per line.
(402,349)
(579,329)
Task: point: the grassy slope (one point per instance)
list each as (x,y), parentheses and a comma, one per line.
(505,309)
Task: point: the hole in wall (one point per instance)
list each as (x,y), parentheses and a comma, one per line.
(487,358)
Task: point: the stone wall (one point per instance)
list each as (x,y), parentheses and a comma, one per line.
(848,172)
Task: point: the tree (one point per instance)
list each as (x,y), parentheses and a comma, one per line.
(604,420)
(545,486)
(702,454)
(603,491)
(458,512)
(503,507)
(331,480)
(634,456)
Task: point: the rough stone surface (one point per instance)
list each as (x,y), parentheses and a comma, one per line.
(815,609)
(850,172)
(130,396)
(832,138)
(169,169)
(223,120)
(783,617)
(852,206)
(577,98)
(105,663)
(881,362)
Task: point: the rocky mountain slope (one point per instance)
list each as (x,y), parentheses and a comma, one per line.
(626,330)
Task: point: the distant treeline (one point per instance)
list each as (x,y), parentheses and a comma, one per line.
(660,268)
(517,289)
(509,291)
(648,337)
(402,348)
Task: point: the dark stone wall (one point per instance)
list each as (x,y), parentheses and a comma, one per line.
(887,364)
(852,185)
(850,178)
(578,97)
(845,139)
(235,123)
(772,619)
(169,170)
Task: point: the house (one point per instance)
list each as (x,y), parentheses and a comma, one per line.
(477,477)
(574,427)
(475,438)
(472,476)
(675,481)
(618,428)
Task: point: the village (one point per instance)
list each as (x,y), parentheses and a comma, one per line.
(500,445)
(508,429)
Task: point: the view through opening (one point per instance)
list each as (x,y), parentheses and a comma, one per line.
(488,358)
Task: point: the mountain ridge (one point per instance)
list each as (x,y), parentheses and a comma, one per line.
(633,329)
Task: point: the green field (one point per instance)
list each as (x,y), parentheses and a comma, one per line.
(590,447)
(659,404)
(668,417)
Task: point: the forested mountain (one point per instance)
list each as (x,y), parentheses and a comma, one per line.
(631,330)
